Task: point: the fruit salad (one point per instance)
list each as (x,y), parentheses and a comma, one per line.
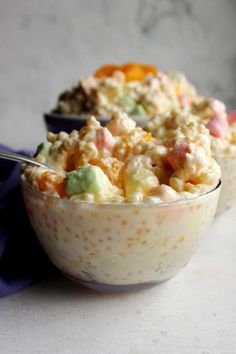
(122,209)
(222,129)
(211,113)
(136,89)
(122,163)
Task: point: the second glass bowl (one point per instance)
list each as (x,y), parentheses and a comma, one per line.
(227,198)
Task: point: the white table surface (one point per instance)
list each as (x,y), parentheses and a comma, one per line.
(194,313)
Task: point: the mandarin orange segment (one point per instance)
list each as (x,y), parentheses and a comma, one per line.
(106,70)
(132,71)
(47,179)
(128,150)
(74,160)
(149,69)
(60,188)
(114,171)
(42,183)
(70,162)
(58,184)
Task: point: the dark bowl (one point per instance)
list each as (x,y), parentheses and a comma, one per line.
(57,122)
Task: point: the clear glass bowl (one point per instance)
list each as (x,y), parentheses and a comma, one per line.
(227,199)
(116,247)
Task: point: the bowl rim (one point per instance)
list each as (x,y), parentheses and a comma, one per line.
(83,116)
(45,196)
(72,116)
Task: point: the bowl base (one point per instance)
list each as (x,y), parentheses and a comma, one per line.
(114,288)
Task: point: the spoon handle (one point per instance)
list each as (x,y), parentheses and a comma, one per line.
(21,158)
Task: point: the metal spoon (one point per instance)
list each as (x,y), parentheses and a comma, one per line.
(22,158)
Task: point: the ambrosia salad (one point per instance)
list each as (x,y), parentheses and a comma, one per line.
(123,206)
(122,209)
(207,111)
(222,129)
(122,163)
(136,89)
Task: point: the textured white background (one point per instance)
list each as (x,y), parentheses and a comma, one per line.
(45,46)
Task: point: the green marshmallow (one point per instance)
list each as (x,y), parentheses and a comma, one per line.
(127,103)
(87,179)
(138,111)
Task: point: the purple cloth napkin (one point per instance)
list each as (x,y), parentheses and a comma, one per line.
(22,260)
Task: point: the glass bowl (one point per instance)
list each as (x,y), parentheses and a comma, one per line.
(56,123)
(227,198)
(116,247)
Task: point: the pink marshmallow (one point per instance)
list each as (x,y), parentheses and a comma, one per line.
(218,126)
(232,117)
(185,100)
(164,79)
(104,139)
(177,156)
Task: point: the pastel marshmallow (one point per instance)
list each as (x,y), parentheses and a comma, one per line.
(232,117)
(177,156)
(218,126)
(104,139)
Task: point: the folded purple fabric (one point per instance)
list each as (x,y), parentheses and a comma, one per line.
(22,260)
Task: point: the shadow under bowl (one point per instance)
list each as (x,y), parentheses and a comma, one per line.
(117,247)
